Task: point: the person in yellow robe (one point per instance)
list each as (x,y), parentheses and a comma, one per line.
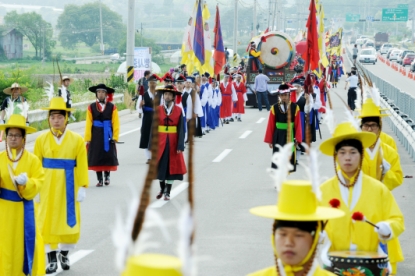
(380,160)
(298,226)
(21,178)
(358,192)
(63,156)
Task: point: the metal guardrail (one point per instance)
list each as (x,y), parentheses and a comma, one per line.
(40,115)
(401,106)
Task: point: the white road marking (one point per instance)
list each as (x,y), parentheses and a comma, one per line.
(173,193)
(245,134)
(131,131)
(222,155)
(260,120)
(75,257)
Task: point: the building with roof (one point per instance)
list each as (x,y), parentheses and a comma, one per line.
(11,43)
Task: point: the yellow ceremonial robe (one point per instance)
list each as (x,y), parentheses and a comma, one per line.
(388,140)
(52,209)
(12,216)
(371,165)
(272,271)
(377,204)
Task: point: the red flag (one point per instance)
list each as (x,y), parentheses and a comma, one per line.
(312,56)
(219,54)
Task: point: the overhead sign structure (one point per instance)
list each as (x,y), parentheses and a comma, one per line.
(352,17)
(402,6)
(142,61)
(369,18)
(395,15)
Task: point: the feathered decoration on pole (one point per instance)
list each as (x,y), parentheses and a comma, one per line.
(374,92)
(349,114)
(50,91)
(186,226)
(358,216)
(312,170)
(10,108)
(281,159)
(358,102)
(64,93)
(329,118)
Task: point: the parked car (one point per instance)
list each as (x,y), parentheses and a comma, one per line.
(402,55)
(394,54)
(407,60)
(369,44)
(390,51)
(385,48)
(368,56)
(359,41)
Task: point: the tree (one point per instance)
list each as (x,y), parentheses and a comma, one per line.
(38,31)
(82,24)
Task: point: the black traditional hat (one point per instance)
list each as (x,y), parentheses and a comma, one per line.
(102,87)
(154,77)
(180,78)
(169,88)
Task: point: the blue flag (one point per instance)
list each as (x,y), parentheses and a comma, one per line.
(199,42)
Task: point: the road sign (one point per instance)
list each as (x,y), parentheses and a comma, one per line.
(352,17)
(395,15)
(402,6)
(369,18)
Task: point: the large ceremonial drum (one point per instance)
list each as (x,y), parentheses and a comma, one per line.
(358,263)
(277,50)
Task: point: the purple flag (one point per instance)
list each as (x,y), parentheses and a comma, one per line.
(198,42)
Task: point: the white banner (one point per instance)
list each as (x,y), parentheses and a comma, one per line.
(142,61)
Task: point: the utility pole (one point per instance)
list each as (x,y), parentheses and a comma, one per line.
(100,22)
(141,35)
(254,33)
(413,25)
(273,16)
(235,28)
(269,13)
(130,41)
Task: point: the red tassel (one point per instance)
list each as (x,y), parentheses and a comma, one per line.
(141,92)
(334,203)
(263,39)
(358,216)
(178,99)
(110,97)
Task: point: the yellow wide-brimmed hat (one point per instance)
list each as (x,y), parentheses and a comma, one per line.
(297,202)
(370,109)
(8,90)
(153,265)
(57,103)
(17,121)
(345,131)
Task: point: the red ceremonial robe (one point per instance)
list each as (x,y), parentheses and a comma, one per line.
(322,85)
(170,130)
(239,105)
(226,109)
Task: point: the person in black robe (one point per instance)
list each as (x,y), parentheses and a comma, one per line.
(147,108)
(102,129)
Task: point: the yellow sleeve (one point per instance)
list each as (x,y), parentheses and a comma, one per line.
(269,271)
(394,177)
(88,125)
(35,175)
(255,53)
(38,148)
(393,214)
(81,169)
(115,124)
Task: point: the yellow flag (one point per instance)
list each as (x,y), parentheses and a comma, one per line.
(205,13)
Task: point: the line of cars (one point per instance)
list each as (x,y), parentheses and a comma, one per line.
(401,56)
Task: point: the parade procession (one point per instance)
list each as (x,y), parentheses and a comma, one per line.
(171,171)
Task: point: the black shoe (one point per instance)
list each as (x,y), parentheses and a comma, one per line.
(52,263)
(160,194)
(231,120)
(207,130)
(100,184)
(239,120)
(107,181)
(167,197)
(226,122)
(64,260)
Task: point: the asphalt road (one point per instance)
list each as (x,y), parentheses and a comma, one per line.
(229,240)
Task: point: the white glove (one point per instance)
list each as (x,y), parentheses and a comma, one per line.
(384,231)
(81,194)
(386,166)
(37,198)
(1,122)
(21,179)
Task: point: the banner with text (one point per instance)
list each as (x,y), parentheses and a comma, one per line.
(142,61)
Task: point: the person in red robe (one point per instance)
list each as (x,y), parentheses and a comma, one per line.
(276,133)
(228,98)
(240,89)
(170,159)
(323,85)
